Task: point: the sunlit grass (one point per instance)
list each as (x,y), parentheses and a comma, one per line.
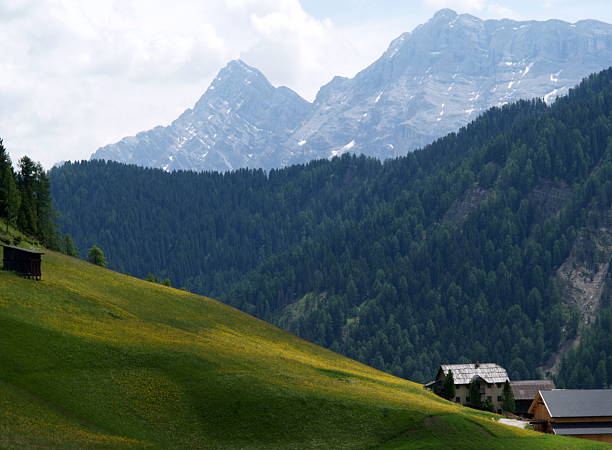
(91,358)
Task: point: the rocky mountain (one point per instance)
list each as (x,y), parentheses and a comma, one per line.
(241,120)
(428,83)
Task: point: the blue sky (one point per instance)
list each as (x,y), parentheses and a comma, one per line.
(76,75)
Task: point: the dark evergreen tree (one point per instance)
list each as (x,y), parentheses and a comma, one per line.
(26,178)
(6,170)
(43,210)
(11,198)
(448,389)
(508,403)
(474,395)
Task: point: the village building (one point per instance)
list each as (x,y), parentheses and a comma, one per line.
(489,376)
(23,261)
(581,413)
(524,391)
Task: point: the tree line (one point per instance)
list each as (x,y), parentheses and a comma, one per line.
(26,205)
(449,254)
(25,198)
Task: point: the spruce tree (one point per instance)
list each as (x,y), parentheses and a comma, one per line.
(475,394)
(26,217)
(508,398)
(11,198)
(5,168)
(43,210)
(448,389)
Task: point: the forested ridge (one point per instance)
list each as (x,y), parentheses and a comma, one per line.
(449,254)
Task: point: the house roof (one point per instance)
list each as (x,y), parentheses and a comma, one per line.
(577,428)
(25,250)
(578,402)
(528,389)
(464,373)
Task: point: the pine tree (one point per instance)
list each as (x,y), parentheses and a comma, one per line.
(41,191)
(448,389)
(96,256)
(11,198)
(5,169)
(26,217)
(475,394)
(508,398)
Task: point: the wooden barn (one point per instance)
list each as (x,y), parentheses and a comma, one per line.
(23,261)
(525,391)
(581,413)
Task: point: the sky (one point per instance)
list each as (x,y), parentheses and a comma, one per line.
(79,74)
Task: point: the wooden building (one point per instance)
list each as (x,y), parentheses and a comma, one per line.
(489,376)
(23,261)
(581,413)
(524,391)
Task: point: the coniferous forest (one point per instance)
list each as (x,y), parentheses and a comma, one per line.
(25,198)
(457,252)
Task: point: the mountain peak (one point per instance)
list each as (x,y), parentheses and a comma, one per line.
(234,80)
(445,14)
(238,68)
(238,64)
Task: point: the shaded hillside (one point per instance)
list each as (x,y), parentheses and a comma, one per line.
(93,359)
(449,254)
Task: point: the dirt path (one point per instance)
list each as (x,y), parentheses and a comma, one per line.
(514,423)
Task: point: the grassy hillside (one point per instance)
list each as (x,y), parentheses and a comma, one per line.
(93,359)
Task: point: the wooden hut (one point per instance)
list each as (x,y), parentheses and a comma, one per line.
(581,413)
(23,261)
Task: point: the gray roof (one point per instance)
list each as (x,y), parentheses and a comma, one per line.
(575,428)
(578,402)
(26,250)
(528,389)
(464,373)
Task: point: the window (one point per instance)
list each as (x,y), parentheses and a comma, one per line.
(499,398)
(457,399)
(489,398)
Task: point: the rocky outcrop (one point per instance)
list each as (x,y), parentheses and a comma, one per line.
(471,200)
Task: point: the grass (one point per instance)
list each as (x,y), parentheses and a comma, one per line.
(90,358)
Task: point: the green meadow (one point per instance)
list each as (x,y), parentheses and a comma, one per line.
(90,358)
